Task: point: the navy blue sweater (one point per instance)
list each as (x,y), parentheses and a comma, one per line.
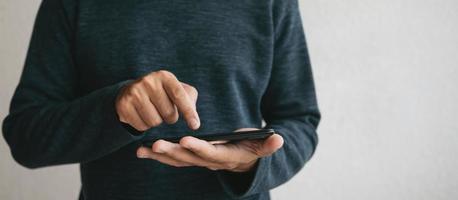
(248,60)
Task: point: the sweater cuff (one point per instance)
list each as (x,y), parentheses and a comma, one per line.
(237,184)
(112,118)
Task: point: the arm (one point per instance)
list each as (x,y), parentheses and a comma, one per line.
(49,123)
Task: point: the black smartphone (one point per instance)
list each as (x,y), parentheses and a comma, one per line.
(230,136)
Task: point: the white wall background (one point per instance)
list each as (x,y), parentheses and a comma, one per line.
(386,74)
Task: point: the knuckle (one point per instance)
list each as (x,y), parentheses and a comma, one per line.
(178,93)
(165,74)
(193,91)
(126,99)
(173,120)
(171,116)
(187,87)
(123,101)
(131,100)
(135,85)
(169,112)
(133,91)
(189,111)
(156,122)
(136,93)
(146,81)
(154,87)
(149,82)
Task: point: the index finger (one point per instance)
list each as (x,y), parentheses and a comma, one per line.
(181,99)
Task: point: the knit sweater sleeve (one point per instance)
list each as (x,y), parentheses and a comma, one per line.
(49,123)
(289,106)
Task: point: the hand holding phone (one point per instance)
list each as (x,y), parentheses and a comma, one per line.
(240,156)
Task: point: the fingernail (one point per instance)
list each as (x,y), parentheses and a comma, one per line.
(194,123)
(141,155)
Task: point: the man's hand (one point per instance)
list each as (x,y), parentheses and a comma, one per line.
(237,157)
(155,98)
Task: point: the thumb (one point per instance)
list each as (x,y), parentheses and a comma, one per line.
(271,145)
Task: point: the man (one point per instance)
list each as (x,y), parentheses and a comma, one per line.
(100,76)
